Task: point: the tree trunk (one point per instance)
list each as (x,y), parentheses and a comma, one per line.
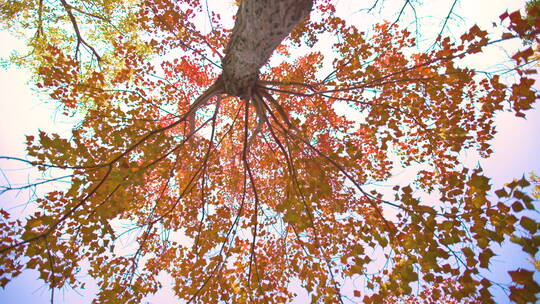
(260,27)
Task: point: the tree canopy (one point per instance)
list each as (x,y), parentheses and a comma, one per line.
(240,172)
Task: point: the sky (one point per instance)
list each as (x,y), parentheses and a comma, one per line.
(24,112)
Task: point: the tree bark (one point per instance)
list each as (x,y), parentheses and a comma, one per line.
(260,27)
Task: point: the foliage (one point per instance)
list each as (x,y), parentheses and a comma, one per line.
(235,197)
(535,180)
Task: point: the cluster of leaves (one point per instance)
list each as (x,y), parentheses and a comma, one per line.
(234,198)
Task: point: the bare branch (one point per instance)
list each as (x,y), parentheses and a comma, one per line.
(80,39)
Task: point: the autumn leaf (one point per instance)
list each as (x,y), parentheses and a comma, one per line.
(239,155)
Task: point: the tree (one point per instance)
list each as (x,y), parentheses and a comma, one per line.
(238,176)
